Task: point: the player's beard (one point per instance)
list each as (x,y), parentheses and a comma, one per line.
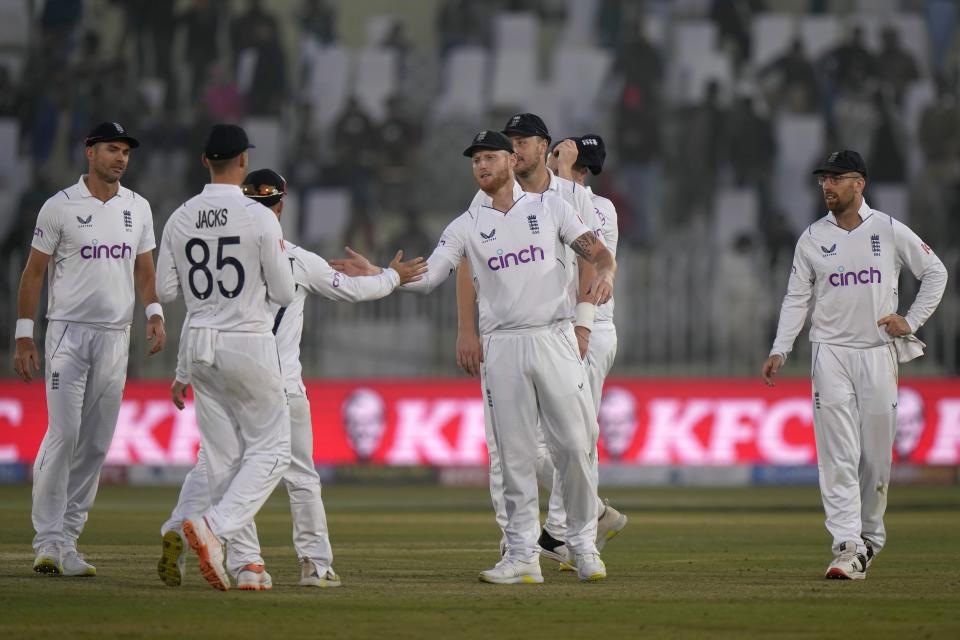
(496,181)
(527,169)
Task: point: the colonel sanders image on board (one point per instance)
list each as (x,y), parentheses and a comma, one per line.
(618,421)
(365,420)
(910,422)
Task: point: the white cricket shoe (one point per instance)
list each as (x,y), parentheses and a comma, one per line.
(254,577)
(609,524)
(173,560)
(48,560)
(509,571)
(75,566)
(849,565)
(310,576)
(590,567)
(209,550)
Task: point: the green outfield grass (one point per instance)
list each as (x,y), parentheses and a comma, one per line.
(711,563)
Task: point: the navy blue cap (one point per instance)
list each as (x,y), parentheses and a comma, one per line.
(842,162)
(591,152)
(226,141)
(526,124)
(489,140)
(108,132)
(266,186)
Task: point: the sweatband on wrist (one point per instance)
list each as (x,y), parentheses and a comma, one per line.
(154,309)
(586,313)
(24,328)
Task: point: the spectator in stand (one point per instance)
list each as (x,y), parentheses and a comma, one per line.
(888,161)
(793,80)
(268,90)
(700,154)
(898,69)
(733,18)
(245,28)
(751,146)
(356,147)
(200,24)
(638,147)
(318,20)
(638,61)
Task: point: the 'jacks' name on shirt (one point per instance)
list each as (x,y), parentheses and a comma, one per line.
(209,218)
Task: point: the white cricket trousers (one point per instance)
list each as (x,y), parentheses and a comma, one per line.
(244,423)
(86,367)
(854,419)
(310,535)
(601,353)
(533,375)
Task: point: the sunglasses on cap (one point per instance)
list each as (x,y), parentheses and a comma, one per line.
(263,191)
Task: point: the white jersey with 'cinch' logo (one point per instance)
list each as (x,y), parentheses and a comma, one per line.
(517,258)
(853,279)
(93,246)
(225,252)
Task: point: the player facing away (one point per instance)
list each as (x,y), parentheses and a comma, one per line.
(848,263)
(225,254)
(95,241)
(313,275)
(531,139)
(532,369)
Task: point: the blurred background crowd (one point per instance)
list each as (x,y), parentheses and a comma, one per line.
(713,111)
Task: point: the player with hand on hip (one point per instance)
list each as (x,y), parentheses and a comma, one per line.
(225,253)
(95,241)
(849,263)
(311,540)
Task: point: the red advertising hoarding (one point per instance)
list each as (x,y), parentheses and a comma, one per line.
(440,422)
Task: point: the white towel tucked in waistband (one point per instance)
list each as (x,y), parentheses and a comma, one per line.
(203,345)
(908,347)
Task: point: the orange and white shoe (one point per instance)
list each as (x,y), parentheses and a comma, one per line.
(209,550)
(254,577)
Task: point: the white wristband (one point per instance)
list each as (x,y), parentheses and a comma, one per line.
(24,328)
(586,312)
(154,309)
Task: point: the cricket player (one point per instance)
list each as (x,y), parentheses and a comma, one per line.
(531,141)
(225,253)
(312,275)
(848,263)
(95,241)
(532,369)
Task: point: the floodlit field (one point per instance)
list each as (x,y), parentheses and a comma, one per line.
(692,563)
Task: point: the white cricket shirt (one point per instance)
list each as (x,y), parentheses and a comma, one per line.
(608,231)
(93,246)
(518,259)
(313,274)
(225,253)
(852,277)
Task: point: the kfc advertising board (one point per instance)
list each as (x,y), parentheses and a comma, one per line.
(440,422)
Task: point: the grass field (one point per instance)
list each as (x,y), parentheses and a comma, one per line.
(711,563)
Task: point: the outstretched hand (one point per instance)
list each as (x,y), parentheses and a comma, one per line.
(354,265)
(411,270)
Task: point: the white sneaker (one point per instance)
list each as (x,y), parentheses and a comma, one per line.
(173,560)
(209,550)
(48,560)
(849,565)
(75,566)
(509,571)
(609,524)
(310,577)
(254,577)
(590,567)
